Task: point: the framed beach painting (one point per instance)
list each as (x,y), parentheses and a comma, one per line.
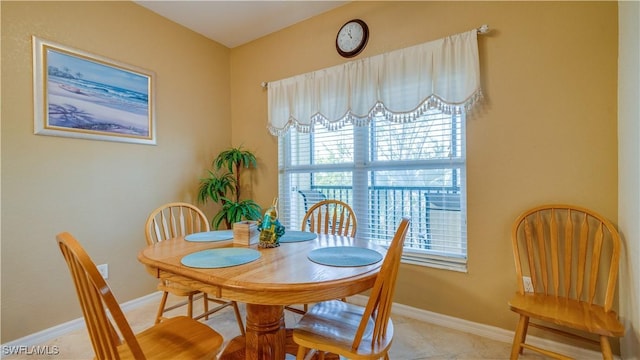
(80,95)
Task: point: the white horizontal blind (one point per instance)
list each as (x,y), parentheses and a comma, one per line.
(385,170)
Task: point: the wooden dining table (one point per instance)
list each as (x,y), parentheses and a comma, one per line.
(281,276)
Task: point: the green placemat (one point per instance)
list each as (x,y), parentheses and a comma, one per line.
(218,258)
(210,236)
(295,236)
(344,256)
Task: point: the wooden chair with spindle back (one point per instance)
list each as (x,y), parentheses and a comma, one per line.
(180,219)
(331,217)
(571,254)
(353,331)
(111,335)
(328,217)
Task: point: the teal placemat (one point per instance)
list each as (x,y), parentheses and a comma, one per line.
(344,256)
(210,236)
(295,236)
(218,258)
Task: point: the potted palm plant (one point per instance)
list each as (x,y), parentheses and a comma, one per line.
(223,186)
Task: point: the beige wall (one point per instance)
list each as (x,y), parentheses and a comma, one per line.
(99,191)
(546,134)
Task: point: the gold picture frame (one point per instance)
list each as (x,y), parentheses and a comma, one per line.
(86,96)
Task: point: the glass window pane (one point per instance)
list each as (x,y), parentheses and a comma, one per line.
(307,188)
(332,147)
(428,137)
(385,171)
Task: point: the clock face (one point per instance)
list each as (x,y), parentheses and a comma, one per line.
(352,38)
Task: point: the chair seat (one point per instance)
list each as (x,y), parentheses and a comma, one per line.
(177,338)
(568,312)
(332,325)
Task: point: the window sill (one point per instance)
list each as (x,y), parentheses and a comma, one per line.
(438,262)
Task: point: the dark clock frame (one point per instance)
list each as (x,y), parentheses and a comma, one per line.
(363,44)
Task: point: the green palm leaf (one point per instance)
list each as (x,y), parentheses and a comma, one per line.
(225,181)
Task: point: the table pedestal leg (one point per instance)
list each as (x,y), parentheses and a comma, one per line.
(266,333)
(265,337)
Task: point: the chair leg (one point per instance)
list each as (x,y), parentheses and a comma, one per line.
(238,317)
(518,338)
(205,298)
(190,307)
(605,347)
(163,302)
(301,352)
(524,334)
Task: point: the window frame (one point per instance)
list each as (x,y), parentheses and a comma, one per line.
(361,169)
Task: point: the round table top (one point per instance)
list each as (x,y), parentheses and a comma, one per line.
(280,276)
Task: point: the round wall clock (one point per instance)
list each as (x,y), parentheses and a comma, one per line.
(352,38)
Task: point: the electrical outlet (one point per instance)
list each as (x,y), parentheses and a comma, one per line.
(104,270)
(528,285)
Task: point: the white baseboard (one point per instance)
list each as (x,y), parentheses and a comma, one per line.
(486,331)
(51,333)
(489,332)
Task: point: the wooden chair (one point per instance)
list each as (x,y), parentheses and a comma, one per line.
(571,255)
(111,335)
(331,217)
(328,217)
(353,331)
(179,219)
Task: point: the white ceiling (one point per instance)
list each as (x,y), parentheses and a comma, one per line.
(233,23)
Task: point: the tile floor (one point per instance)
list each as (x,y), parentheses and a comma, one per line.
(413,340)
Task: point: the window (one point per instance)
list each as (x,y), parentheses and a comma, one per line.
(385,170)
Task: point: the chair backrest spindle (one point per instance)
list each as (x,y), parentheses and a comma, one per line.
(568,253)
(331,217)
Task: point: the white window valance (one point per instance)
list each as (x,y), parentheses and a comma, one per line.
(399,85)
